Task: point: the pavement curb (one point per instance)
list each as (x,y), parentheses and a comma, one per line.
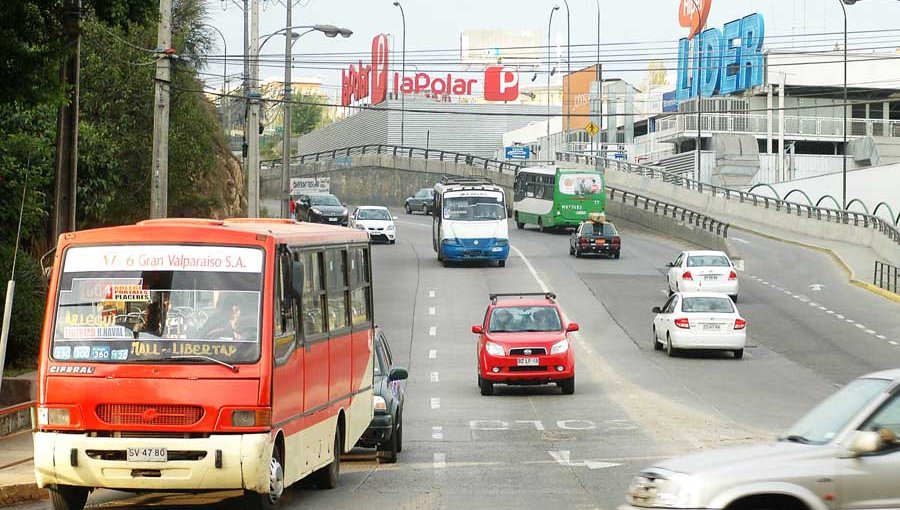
(22,493)
(851,275)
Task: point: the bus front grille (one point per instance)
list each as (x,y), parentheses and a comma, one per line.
(149,414)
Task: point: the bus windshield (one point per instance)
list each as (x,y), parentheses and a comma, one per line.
(162,303)
(580,184)
(474,208)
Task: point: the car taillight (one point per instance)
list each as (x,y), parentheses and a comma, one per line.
(687,276)
(616,240)
(740,324)
(583,240)
(683,323)
(732,276)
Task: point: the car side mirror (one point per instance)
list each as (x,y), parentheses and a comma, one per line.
(657,309)
(296,279)
(398,374)
(863,442)
(572,327)
(670,264)
(478,329)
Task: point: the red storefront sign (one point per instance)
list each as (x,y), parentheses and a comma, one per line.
(355,82)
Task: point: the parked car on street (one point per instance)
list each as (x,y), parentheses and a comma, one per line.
(385,432)
(699,320)
(705,271)
(524,340)
(422,201)
(842,454)
(593,237)
(375,220)
(321,208)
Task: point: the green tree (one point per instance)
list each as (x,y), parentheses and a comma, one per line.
(307,113)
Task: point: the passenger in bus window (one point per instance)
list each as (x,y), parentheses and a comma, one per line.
(224,321)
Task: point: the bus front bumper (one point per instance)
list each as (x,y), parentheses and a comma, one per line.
(478,249)
(239,461)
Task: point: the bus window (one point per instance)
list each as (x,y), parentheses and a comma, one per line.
(283,316)
(336,265)
(359,282)
(313,295)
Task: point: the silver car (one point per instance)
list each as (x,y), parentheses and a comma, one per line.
(845,453)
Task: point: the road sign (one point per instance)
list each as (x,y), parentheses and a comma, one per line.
(518,152)
(592,129)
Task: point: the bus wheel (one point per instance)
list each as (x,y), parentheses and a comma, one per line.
(519,224)
(540,224)
(67,497)
(271,499)
(327,477)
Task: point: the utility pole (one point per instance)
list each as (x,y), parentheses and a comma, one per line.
(253,120)
(160,168)
(286,136)
(246,77)
(66,166)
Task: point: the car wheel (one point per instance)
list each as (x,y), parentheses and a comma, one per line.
(501,263)
(425,209)
(567,386)
(408,209)
(738,353)
(393,241)
(656,345)
(670,351)
(400,429)
(387,453)
(616,255)
(571,250)
(67,497)
(578,253)
(327,477)
(271,499)
(487,387)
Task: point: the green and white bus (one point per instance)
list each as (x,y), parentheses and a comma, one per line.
(553,197)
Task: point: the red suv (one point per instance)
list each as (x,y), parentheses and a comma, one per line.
(524,340)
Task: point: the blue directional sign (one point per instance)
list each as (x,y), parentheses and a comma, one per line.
(518,152)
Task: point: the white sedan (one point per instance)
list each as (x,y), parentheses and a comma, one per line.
(375,220)
(703,271)
(699,320)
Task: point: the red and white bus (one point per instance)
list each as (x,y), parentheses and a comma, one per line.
(189,355)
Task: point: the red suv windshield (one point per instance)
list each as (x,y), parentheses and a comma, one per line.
(514,319)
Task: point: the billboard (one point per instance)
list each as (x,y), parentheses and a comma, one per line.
(577,98)
(508,47)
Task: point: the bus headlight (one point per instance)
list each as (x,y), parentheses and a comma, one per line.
(251,418)
(54,416)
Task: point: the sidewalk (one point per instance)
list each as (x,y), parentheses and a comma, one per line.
(17,483)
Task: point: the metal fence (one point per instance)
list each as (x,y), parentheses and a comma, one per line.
(409,152)
(699,220)
(886,276)
(818,213)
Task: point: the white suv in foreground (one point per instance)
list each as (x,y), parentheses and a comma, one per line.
(845,453)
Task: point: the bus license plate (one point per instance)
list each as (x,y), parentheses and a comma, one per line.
(147,455)
(527,362)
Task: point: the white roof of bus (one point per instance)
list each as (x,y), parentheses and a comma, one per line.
(551,170)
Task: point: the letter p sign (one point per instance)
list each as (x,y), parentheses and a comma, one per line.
(501,84)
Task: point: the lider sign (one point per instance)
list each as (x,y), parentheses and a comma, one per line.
(732,59)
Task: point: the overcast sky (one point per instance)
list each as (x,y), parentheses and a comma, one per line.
(435,24)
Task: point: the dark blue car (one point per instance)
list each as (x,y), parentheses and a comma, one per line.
(385,432)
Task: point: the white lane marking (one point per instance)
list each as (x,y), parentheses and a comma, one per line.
(813,304)
(860,326)
(538,424)
(432,310)
(411,224)
(435,402)
(870,331)
(787,292)
(763,282)
(434,377)
(823,308)
(881,337)
(531,268)
(432,354)
(893,342)
(816,287)
(839,316)
(738,239)
(564,458)
(829,312)
(430,293)
(432,331)
(437,433)
(440,461)
(850,321)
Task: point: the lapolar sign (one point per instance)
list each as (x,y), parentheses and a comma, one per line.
(361,81)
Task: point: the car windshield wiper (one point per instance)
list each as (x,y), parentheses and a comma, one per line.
(200,357)
(794,438)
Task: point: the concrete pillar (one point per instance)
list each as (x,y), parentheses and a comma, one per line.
(769,118)
(781,128)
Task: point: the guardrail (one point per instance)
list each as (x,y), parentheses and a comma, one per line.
(699,220)
(813,212)
(886,276)
(409,152)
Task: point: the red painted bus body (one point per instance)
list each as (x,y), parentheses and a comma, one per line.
(185,355)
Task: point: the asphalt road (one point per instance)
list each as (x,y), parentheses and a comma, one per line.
(532,447)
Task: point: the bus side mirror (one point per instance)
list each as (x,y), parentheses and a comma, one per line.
(297,279)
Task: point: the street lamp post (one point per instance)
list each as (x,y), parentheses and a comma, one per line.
(549,62)
(329,31)
(699,49)
(403,78)
(567,98)
(599,134)
(224,61)
(844,108)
